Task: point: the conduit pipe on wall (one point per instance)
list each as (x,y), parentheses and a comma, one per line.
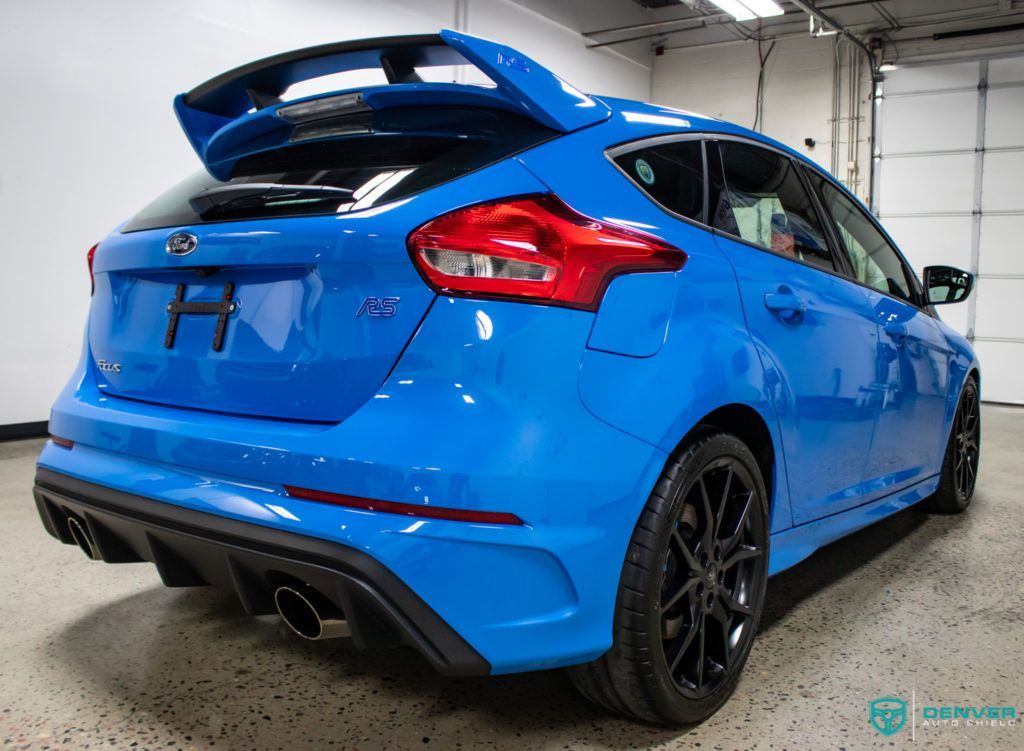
(810,9)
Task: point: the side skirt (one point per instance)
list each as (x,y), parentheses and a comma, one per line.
(793,545)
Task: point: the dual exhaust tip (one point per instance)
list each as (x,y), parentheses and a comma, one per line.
(303,609)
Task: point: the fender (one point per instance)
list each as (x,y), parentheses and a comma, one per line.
(666,349)
(706,362)
(962,362)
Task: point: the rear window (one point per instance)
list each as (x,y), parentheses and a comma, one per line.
(407,150)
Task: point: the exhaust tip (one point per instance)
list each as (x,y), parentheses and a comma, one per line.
(309,614)
(82,538)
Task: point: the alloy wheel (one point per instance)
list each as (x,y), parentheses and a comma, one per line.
(965,459)
(711,578)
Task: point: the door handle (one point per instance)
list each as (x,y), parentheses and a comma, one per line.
(788,306)
(896,331)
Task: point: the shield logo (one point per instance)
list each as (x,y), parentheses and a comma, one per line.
(888,714)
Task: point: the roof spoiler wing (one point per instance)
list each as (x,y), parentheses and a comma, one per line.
(213,107)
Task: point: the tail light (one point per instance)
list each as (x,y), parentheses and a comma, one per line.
(533,247)
(92,279)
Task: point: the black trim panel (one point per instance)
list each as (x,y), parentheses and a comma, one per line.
(20,430)
(192,548)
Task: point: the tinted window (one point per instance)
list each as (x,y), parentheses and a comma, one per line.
(764,202)
(875,262)
(329,175)
(671,174)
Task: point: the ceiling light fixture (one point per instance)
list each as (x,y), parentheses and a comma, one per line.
(748,10)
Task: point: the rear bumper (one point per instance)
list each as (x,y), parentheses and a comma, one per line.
(481,412)
(192,548)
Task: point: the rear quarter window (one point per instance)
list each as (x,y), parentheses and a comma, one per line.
(671,174)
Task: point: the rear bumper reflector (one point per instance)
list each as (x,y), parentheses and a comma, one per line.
(404,509)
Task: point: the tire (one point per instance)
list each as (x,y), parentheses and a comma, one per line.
(960,464)
(687,586)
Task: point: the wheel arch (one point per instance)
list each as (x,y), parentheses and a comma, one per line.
(750,426)
(961,370)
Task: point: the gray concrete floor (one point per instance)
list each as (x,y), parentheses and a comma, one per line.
(101,656)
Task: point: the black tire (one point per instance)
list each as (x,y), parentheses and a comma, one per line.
(666,595)
(963,450)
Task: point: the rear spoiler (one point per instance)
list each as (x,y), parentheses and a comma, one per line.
(215,114)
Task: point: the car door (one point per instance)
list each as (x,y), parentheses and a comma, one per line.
(913,355)
(815,329)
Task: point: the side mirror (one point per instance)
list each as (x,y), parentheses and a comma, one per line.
(945,284)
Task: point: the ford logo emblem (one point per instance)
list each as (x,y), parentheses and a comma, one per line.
(181,243)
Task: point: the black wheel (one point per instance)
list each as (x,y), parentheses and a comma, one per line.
(960,464)
(692,589)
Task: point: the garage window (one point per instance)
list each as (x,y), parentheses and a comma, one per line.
(671,174)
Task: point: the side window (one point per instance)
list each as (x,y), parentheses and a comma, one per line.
(875,262)
(764,202)
(672,174)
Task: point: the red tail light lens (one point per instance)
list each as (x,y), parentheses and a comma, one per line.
(533,247)
(92,279)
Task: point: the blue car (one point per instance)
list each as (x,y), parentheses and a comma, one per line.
(521,377)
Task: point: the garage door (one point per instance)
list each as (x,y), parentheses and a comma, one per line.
(949,185)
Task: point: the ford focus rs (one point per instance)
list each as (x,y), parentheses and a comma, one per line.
(518,376)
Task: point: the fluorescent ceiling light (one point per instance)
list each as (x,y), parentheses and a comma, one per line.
(748,10)
(764,8)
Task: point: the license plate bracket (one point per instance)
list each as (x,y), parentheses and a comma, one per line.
(222,308)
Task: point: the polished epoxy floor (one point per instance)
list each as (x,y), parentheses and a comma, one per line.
(103,656)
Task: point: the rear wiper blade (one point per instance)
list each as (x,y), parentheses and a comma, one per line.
(221,196)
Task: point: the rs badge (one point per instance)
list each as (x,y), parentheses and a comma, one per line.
(379,307)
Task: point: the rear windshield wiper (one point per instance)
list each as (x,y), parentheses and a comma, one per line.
(266,194)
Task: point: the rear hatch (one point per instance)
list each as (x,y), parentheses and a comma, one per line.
(286,290)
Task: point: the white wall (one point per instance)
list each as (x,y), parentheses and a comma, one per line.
(721,81)
(87,135)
